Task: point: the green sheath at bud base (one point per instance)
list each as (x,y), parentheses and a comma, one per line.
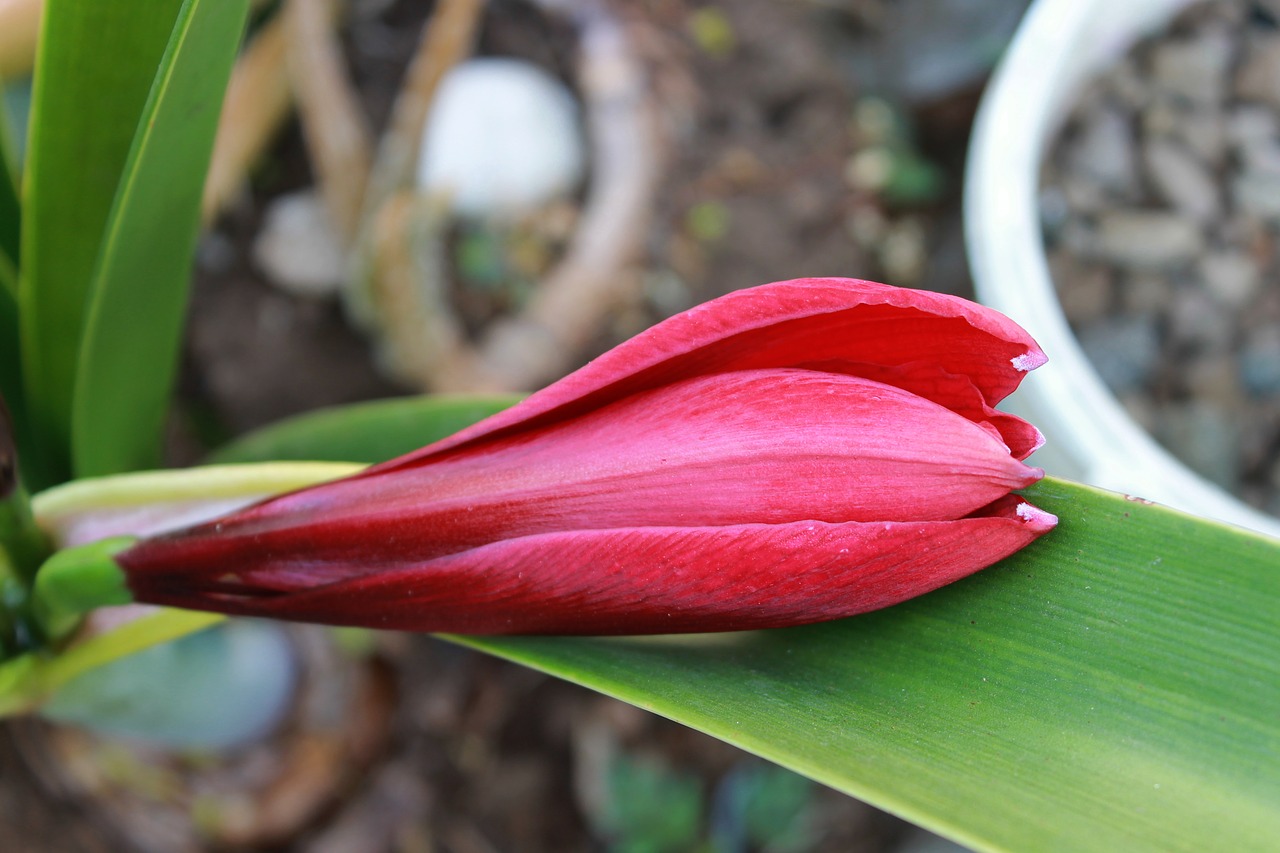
(76,580)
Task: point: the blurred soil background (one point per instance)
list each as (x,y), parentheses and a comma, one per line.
(800,138)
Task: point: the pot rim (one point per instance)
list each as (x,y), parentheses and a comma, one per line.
(1059,44)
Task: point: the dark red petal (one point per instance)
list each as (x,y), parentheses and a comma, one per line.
(648,580)
(786,324)
(761,446)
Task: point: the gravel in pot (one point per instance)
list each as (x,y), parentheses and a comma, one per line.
(1160,201)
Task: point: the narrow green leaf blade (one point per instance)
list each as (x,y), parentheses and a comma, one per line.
(133,331)
(1115,686)
(11,389)
(10,207)
(94,70)
(363,432)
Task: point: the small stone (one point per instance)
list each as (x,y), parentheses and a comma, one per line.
(1257,194)
(1103,151)
(1204,133)
(1250,125)
(1271,7)
(1194,69)
(1083,195)
(503,138)
(1160,117)
(1124,350)
(1258,78)
(1182,180)
(1055,210)
(1128,84)
(1145,294)
(1084,290)
(1148,240)
(1076,236)
(1202,436)
(1197,322)
(1215,378)
(1230,276)
(298,248)
(1260,362)
(1260,156)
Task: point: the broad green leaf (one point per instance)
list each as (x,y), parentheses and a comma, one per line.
(1115,686)
(95,67)
(138,303)
(364,432)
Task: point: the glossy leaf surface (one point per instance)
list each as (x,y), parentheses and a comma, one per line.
(133,330)
(10,208)
(1114,686)
(96,65)
(363,432)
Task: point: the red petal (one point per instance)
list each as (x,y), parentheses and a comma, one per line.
(957,393)
(650,580)
(761,446)
(786,324)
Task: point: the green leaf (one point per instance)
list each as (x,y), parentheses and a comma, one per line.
(364,432)
(10,207)
(1115,686)
(95,67)
(10,357)
(134,327)
(11,382)
(27,680)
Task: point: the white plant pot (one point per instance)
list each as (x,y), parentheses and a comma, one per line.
(1059,45)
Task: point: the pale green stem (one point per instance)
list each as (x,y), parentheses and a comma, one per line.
(27,680)
(125,506)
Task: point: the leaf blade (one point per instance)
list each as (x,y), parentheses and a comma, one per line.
(10,206)
(138,302)
(363,432)
(95,67)
(1069,698)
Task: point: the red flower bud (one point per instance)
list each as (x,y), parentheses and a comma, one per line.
(796,452)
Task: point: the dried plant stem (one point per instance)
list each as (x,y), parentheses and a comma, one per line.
(565,311)
(407,294)
(448,38)
(338,136)
(256,105)
(19,32)
(419,330)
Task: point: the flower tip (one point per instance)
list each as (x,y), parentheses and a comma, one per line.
(1029,360)
(1036,443)
(1036,518)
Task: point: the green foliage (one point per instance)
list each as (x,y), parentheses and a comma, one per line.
(651,808)
(125,102)
(10,357)
(364,432)
(133,331)
(95,68)
(772,806)
(1112,687)
(10,209)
